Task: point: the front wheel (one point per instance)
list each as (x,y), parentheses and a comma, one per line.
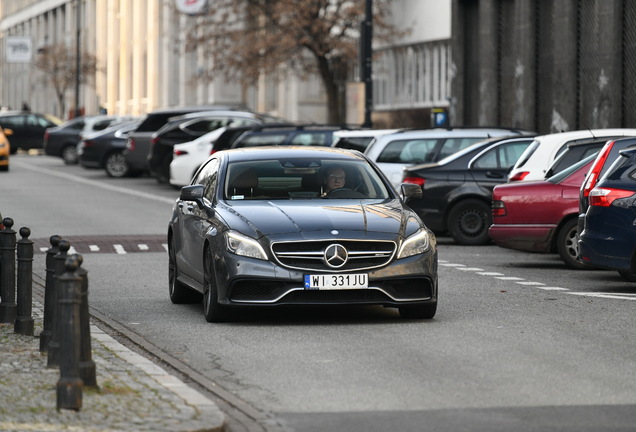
(568,246)
(425,311)
(212,310)
(468,222)
(116,165)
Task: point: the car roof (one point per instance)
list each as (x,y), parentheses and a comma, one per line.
(486,132)
(294,152)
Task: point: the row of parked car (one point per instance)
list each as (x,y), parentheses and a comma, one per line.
(480,185)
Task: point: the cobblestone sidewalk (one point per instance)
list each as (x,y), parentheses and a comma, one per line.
(134,394)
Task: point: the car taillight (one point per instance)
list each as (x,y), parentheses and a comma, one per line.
(415,180)
(179,152)
(595,171)
(46,136)
(130,144)
(604,197)
(213,151)
(87,143)
(519,176)
(154,140)
(498,208)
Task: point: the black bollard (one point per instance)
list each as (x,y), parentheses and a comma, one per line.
(24,321)
(87,365)
(49,293)
(7,275)
(54,344)
(69,386)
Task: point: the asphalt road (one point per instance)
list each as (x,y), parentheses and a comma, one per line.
(519,342)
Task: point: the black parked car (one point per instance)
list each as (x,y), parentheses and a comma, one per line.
(606,156)
(25,130)
(105,149)
(309,135)
(608,237)
(457,190)
(138,144)
(62,140)
(188,127)
(255,229)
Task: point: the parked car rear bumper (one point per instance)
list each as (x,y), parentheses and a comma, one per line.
(606,252)
(531,238)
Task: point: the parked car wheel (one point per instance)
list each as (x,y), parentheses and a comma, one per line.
(628,276)
(213,311)
(426,311)
(116,165)
(4,168)
(179,293)
(468,222)
(568,246)
(69,154)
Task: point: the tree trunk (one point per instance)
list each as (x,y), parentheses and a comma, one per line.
(334,107)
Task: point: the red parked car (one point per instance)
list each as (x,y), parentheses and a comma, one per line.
(541,216)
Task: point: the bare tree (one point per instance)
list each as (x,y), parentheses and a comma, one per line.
(247,38)
(58,63)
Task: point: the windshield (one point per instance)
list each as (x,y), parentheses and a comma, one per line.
(283,179)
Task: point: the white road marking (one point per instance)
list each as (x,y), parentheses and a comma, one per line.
(165,246)
(94,248)
(475,269)
(530,283)
(119,249)
(509,278)
(553,288)
(490,274)
(618,296)
(143,247)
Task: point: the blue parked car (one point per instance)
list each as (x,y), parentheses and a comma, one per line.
(608,238)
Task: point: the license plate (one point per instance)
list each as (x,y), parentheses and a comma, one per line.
(335,282)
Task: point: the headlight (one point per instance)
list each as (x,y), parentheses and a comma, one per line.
(241,245)
(415,244)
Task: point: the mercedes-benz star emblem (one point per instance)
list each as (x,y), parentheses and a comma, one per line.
(335,256)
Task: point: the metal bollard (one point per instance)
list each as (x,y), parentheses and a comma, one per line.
(7,275)
(87,365)
(49,293)
(69,386)
(24,321)
(54,343)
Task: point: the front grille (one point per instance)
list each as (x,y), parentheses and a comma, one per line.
(309,255)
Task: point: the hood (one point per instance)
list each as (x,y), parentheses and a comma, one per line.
(264,218)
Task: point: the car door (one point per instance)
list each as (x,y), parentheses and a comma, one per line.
(197,221)
(491,167)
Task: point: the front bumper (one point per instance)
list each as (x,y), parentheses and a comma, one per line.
(253,282)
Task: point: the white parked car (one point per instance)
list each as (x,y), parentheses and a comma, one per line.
(188,157)
(536,160)
(358,139)
(394,152)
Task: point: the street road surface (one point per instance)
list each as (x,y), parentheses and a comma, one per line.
(519,343)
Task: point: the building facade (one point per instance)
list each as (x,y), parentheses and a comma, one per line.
(143,66)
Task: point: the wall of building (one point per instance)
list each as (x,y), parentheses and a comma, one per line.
(548,65)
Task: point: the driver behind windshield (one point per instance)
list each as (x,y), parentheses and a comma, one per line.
(334,179)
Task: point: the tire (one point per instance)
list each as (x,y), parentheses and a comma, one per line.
(468,222)
(425,311)
(568,246)
(212,310)
(69,154)
(163,172)
(4,168)
(179,293)
(116,166)
(628,276)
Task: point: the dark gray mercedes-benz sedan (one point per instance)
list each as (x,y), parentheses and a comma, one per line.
(299,226)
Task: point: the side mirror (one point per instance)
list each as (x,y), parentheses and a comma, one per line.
(192,193)
(410,191)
